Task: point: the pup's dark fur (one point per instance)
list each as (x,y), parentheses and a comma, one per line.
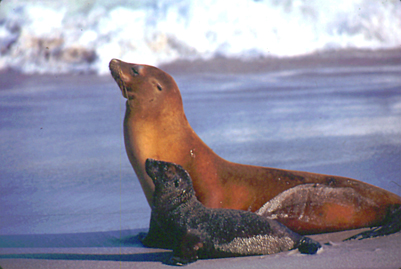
(195,231)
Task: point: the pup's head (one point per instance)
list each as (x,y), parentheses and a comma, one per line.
(173,185)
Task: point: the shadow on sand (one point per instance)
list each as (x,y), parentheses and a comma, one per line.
(106,244)
(138,257)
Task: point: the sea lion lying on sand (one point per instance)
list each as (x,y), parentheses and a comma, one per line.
(196,231)
(155,126)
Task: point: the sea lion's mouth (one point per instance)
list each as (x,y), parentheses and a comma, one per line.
(116,73)
(123,87)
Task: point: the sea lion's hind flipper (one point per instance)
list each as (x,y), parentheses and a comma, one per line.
(308,246)
(187,249)
(392,225)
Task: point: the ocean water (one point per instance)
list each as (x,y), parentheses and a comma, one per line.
(82,36)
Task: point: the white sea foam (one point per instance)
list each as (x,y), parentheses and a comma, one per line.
(80,36)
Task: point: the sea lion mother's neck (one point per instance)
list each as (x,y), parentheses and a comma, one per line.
(159,139)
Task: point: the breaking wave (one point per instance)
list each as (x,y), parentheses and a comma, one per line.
(82,36)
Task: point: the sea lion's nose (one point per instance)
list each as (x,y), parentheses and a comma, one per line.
(114,61)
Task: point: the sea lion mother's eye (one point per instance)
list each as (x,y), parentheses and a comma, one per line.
(159,87)
(135,71)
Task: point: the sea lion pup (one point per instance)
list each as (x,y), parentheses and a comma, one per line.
(200,232)
(155,127)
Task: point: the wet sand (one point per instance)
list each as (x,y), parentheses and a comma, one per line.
(71,199)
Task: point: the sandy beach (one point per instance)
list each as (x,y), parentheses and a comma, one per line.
(372,253)
(70,198)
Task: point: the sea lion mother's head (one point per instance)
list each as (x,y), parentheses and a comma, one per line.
(146,88)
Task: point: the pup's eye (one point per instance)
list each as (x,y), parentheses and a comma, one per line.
(177,183)
(159,87)
(135,71)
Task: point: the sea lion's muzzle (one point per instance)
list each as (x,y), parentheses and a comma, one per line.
(123,73)
(153,169)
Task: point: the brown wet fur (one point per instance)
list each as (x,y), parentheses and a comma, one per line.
(155,126)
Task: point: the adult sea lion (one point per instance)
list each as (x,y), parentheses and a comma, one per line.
(200,232)
(155,127)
